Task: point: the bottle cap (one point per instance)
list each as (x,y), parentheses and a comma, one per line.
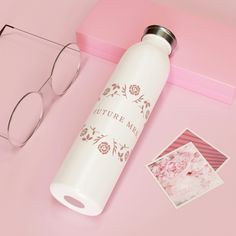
(162,32)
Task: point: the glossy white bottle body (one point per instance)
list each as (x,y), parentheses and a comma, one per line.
(101,150)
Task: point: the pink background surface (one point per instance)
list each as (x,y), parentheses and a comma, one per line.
(137,206)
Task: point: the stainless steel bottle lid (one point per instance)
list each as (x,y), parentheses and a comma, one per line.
(162,32)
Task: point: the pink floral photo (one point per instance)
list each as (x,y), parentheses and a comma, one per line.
(184,174)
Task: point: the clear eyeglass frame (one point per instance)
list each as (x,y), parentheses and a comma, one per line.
(28,95)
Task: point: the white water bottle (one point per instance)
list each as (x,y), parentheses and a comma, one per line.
(96,159)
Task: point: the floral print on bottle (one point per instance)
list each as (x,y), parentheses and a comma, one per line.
(131,92)
(105,144)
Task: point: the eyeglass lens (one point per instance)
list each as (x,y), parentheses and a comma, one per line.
(66,68)
(28,112)
(25,118)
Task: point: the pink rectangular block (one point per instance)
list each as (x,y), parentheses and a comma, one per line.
(205,58)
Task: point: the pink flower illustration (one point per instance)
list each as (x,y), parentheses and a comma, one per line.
(185,175)
(134,89)
(106,91)
(83,132)
(175,165)
(104,147)
(183,159)
(156,169)
(196,157)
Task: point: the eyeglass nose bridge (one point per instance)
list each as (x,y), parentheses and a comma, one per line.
(50,78)
(68,86)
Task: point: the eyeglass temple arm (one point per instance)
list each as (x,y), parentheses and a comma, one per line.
(1,31)
(10,26)
(4,27)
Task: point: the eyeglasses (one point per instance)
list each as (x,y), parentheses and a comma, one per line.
(29,111)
